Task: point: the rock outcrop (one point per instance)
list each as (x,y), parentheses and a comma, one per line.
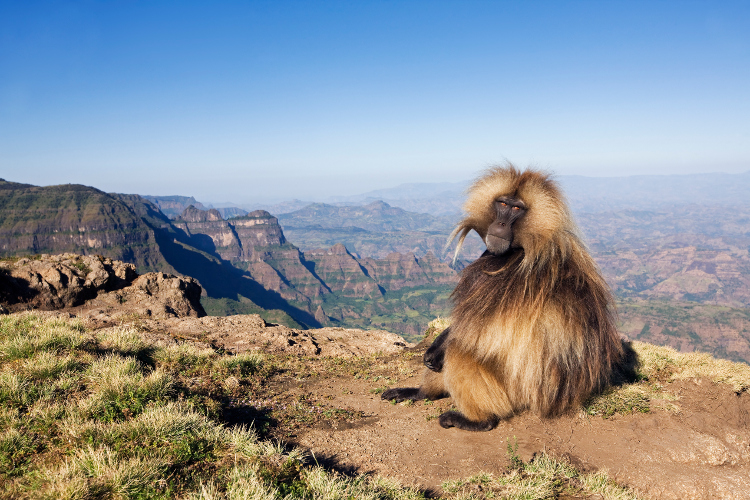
(250,332)
(96,287)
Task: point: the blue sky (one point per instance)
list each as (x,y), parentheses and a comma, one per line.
(262,101)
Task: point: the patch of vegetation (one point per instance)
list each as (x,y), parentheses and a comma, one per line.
(543,477)
(619,400)
(81,266)
(435,328)
(659,363)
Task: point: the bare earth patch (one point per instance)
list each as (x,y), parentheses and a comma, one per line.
(701,451)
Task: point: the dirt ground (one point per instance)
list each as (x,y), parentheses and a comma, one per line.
(696,446)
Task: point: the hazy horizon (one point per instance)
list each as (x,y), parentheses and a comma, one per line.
(277,100)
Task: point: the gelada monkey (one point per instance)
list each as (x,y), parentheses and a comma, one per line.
(532,325)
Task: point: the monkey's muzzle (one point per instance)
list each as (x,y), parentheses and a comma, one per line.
(497,245)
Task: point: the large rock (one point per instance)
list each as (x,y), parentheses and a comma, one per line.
(58,281)
(96,287)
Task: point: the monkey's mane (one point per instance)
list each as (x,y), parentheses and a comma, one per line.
(548,265)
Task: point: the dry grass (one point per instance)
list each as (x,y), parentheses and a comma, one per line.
(665,363)
(435,327)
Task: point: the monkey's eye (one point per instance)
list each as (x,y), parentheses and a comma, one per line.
(503,204)
(516,208)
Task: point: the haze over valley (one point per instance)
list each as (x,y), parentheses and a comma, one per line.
(674,249)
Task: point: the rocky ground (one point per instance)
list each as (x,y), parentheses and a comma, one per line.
(95,288)
(693,440)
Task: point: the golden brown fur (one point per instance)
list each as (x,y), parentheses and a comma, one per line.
(532,328)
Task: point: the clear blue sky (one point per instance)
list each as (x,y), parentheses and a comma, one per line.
(247,101)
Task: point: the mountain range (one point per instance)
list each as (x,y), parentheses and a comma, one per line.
(680,269)
(244,264)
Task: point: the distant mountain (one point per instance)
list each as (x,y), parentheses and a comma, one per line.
(172,206)
(375,216)
(585,194)
(374,230)
(231,212)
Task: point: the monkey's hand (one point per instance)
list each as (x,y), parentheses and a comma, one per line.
(402,394)
(435,355)
(433,359)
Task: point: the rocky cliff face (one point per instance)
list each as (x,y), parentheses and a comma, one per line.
(342,273)
(398,271)
(72,218)
(208,231)
(254,243)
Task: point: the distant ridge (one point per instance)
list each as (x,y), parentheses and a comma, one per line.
(586,194)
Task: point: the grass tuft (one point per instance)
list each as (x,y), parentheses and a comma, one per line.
(543,477)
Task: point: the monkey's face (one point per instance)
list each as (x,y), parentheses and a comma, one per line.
(508,210)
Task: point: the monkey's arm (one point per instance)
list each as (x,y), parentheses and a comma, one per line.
(435,355)
(432,388)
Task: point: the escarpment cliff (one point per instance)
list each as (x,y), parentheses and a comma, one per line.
(243,264)
(332,285)
(253,243)
(74,218)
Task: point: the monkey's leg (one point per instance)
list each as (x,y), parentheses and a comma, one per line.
(478,394)
(435,355)
(432,388)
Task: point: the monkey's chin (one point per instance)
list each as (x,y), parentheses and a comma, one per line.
(497,246)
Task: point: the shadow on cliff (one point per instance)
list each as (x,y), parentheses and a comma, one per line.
(223,281)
